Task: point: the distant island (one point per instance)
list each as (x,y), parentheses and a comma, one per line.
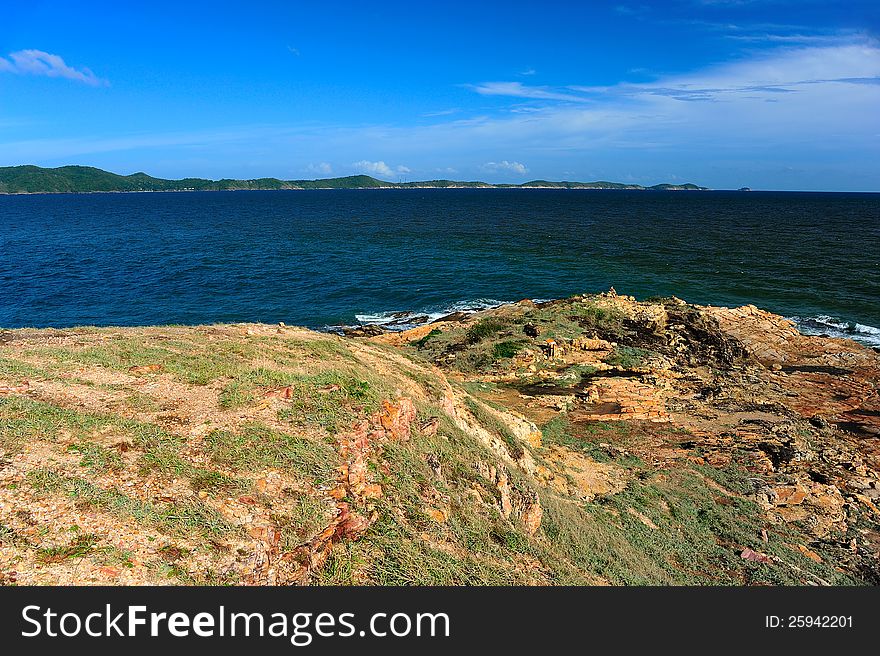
(86,179)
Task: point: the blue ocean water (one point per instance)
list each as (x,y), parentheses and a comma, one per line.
(322,258)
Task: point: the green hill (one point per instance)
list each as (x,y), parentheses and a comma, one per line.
(30,179)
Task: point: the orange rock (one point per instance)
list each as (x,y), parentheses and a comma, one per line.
(532,515)
(372,491)
(337,493)
(534,439)
(267,534)
(812,555)
(396,417)
(789,495)
(279,393)
(353,526)
(139,370)
(436,514)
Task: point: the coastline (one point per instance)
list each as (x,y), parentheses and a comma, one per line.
(65,179)
(371,188)
(735,443)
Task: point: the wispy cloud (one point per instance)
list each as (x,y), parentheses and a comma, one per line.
(293,51)
(778,107)
(630,10)
(38,62)
(791,35)
(775,72)
(520,90)
(441,112)
(528,72)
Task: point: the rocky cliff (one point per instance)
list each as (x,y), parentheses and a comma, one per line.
(592,440)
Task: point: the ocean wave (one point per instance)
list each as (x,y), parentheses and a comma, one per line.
(825,325)
(406,319)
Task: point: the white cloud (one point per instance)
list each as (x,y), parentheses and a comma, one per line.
(373,168)
(505,166)
(37,62)
(520,90)
(403,169)
(441,112)
(321,168)
(700,125)
(627,10)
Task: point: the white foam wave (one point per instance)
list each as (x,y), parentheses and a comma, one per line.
(404,320)
(826,325)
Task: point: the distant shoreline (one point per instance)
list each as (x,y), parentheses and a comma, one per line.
(31,179)
(411,187)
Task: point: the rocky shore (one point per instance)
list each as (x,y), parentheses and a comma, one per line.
(591,440)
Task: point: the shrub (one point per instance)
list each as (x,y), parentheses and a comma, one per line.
(483,329)
(506,349)
(628,357)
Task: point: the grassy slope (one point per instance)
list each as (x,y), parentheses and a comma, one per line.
(112,475)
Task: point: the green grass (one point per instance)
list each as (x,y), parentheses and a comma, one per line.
(26,420)
(23,420)
(184,518)
(192,362)
(484,329)
(195,359)
(255,447)
(507,349)
(605,321)
(96,458)
(80,547)
(699,534)
(141,402)
(18,372)
(236,395)
(495,425)
(629,357)
(332,400)
(242,389)
(393,552)
(317,397)
(303,521)
(581,317)
(420,343)
(407,560)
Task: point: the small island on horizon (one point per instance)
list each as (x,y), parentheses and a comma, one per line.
(29,179)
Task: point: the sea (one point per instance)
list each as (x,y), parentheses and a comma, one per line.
(330,258)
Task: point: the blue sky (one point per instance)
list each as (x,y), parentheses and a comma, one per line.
(769,94)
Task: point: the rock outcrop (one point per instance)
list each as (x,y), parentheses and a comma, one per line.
(596,439)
